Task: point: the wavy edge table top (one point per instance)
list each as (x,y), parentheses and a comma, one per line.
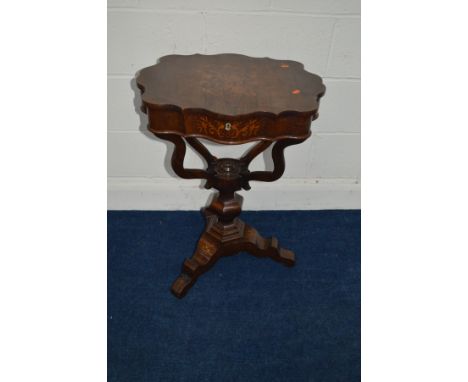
(230,85)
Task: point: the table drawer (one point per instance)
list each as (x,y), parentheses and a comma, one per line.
(224,129)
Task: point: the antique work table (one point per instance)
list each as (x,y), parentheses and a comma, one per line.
(229,99)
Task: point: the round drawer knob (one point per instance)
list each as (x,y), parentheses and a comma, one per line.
(227,126)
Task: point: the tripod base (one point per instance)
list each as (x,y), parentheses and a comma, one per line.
(220,240)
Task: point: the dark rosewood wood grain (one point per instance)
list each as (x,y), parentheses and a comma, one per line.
(260,98)
(229,99)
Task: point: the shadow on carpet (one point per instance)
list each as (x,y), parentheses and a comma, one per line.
(248,319)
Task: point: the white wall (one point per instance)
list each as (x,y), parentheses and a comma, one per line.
(321,173)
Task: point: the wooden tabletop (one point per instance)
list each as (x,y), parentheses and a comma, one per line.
(230,84)
(230,98)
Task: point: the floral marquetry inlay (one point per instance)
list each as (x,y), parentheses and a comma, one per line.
(206,247)
(235,130)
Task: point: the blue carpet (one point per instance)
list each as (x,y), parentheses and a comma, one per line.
(248,319)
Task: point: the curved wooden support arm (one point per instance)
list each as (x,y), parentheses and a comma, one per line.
(254,151)
(278,161)
(202,150)
(178,155)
